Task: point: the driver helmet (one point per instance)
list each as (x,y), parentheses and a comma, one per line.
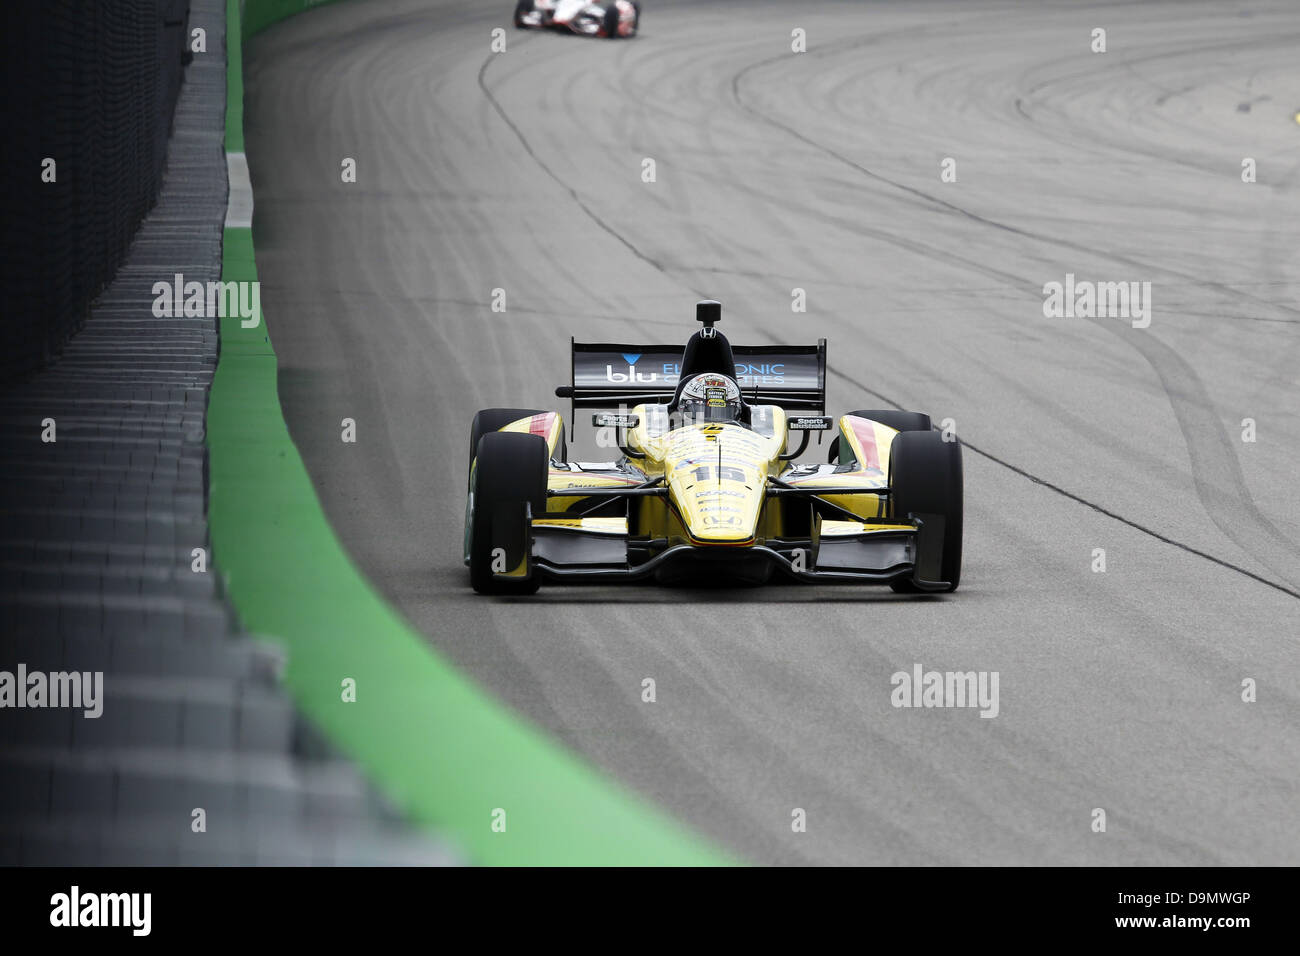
(710,397)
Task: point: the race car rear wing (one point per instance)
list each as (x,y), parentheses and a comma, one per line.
(609,376)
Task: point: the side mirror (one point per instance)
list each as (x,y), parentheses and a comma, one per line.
(622,423)
(810,423)
(611,420)
(807,424)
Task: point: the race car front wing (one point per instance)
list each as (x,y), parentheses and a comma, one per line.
(846,549)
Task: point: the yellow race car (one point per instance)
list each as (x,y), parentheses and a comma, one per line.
(707,489)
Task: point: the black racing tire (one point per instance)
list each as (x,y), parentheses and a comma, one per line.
(889,417)
(522,7)
(491,419)
(611,21)
(925,476)
(509,473)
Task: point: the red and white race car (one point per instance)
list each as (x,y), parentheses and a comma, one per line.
(593,18)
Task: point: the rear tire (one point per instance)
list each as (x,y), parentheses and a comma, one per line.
(891,418)
(925,474)
(509,473)
(612,19)
(522,7)
(491,419)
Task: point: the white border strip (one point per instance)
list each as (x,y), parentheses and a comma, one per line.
(239,203)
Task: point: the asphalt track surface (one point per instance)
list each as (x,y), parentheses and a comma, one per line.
(522,170)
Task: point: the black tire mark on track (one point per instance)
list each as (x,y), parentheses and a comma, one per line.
(931,199)
(573,193)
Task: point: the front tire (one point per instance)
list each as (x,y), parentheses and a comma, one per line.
(889,417)
(522,7)
(925,474)
(508,479)
(491,419)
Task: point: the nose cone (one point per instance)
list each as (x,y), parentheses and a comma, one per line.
(716,478)
(714,519)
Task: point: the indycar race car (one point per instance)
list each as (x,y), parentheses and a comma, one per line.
(706,490)
(593,18)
